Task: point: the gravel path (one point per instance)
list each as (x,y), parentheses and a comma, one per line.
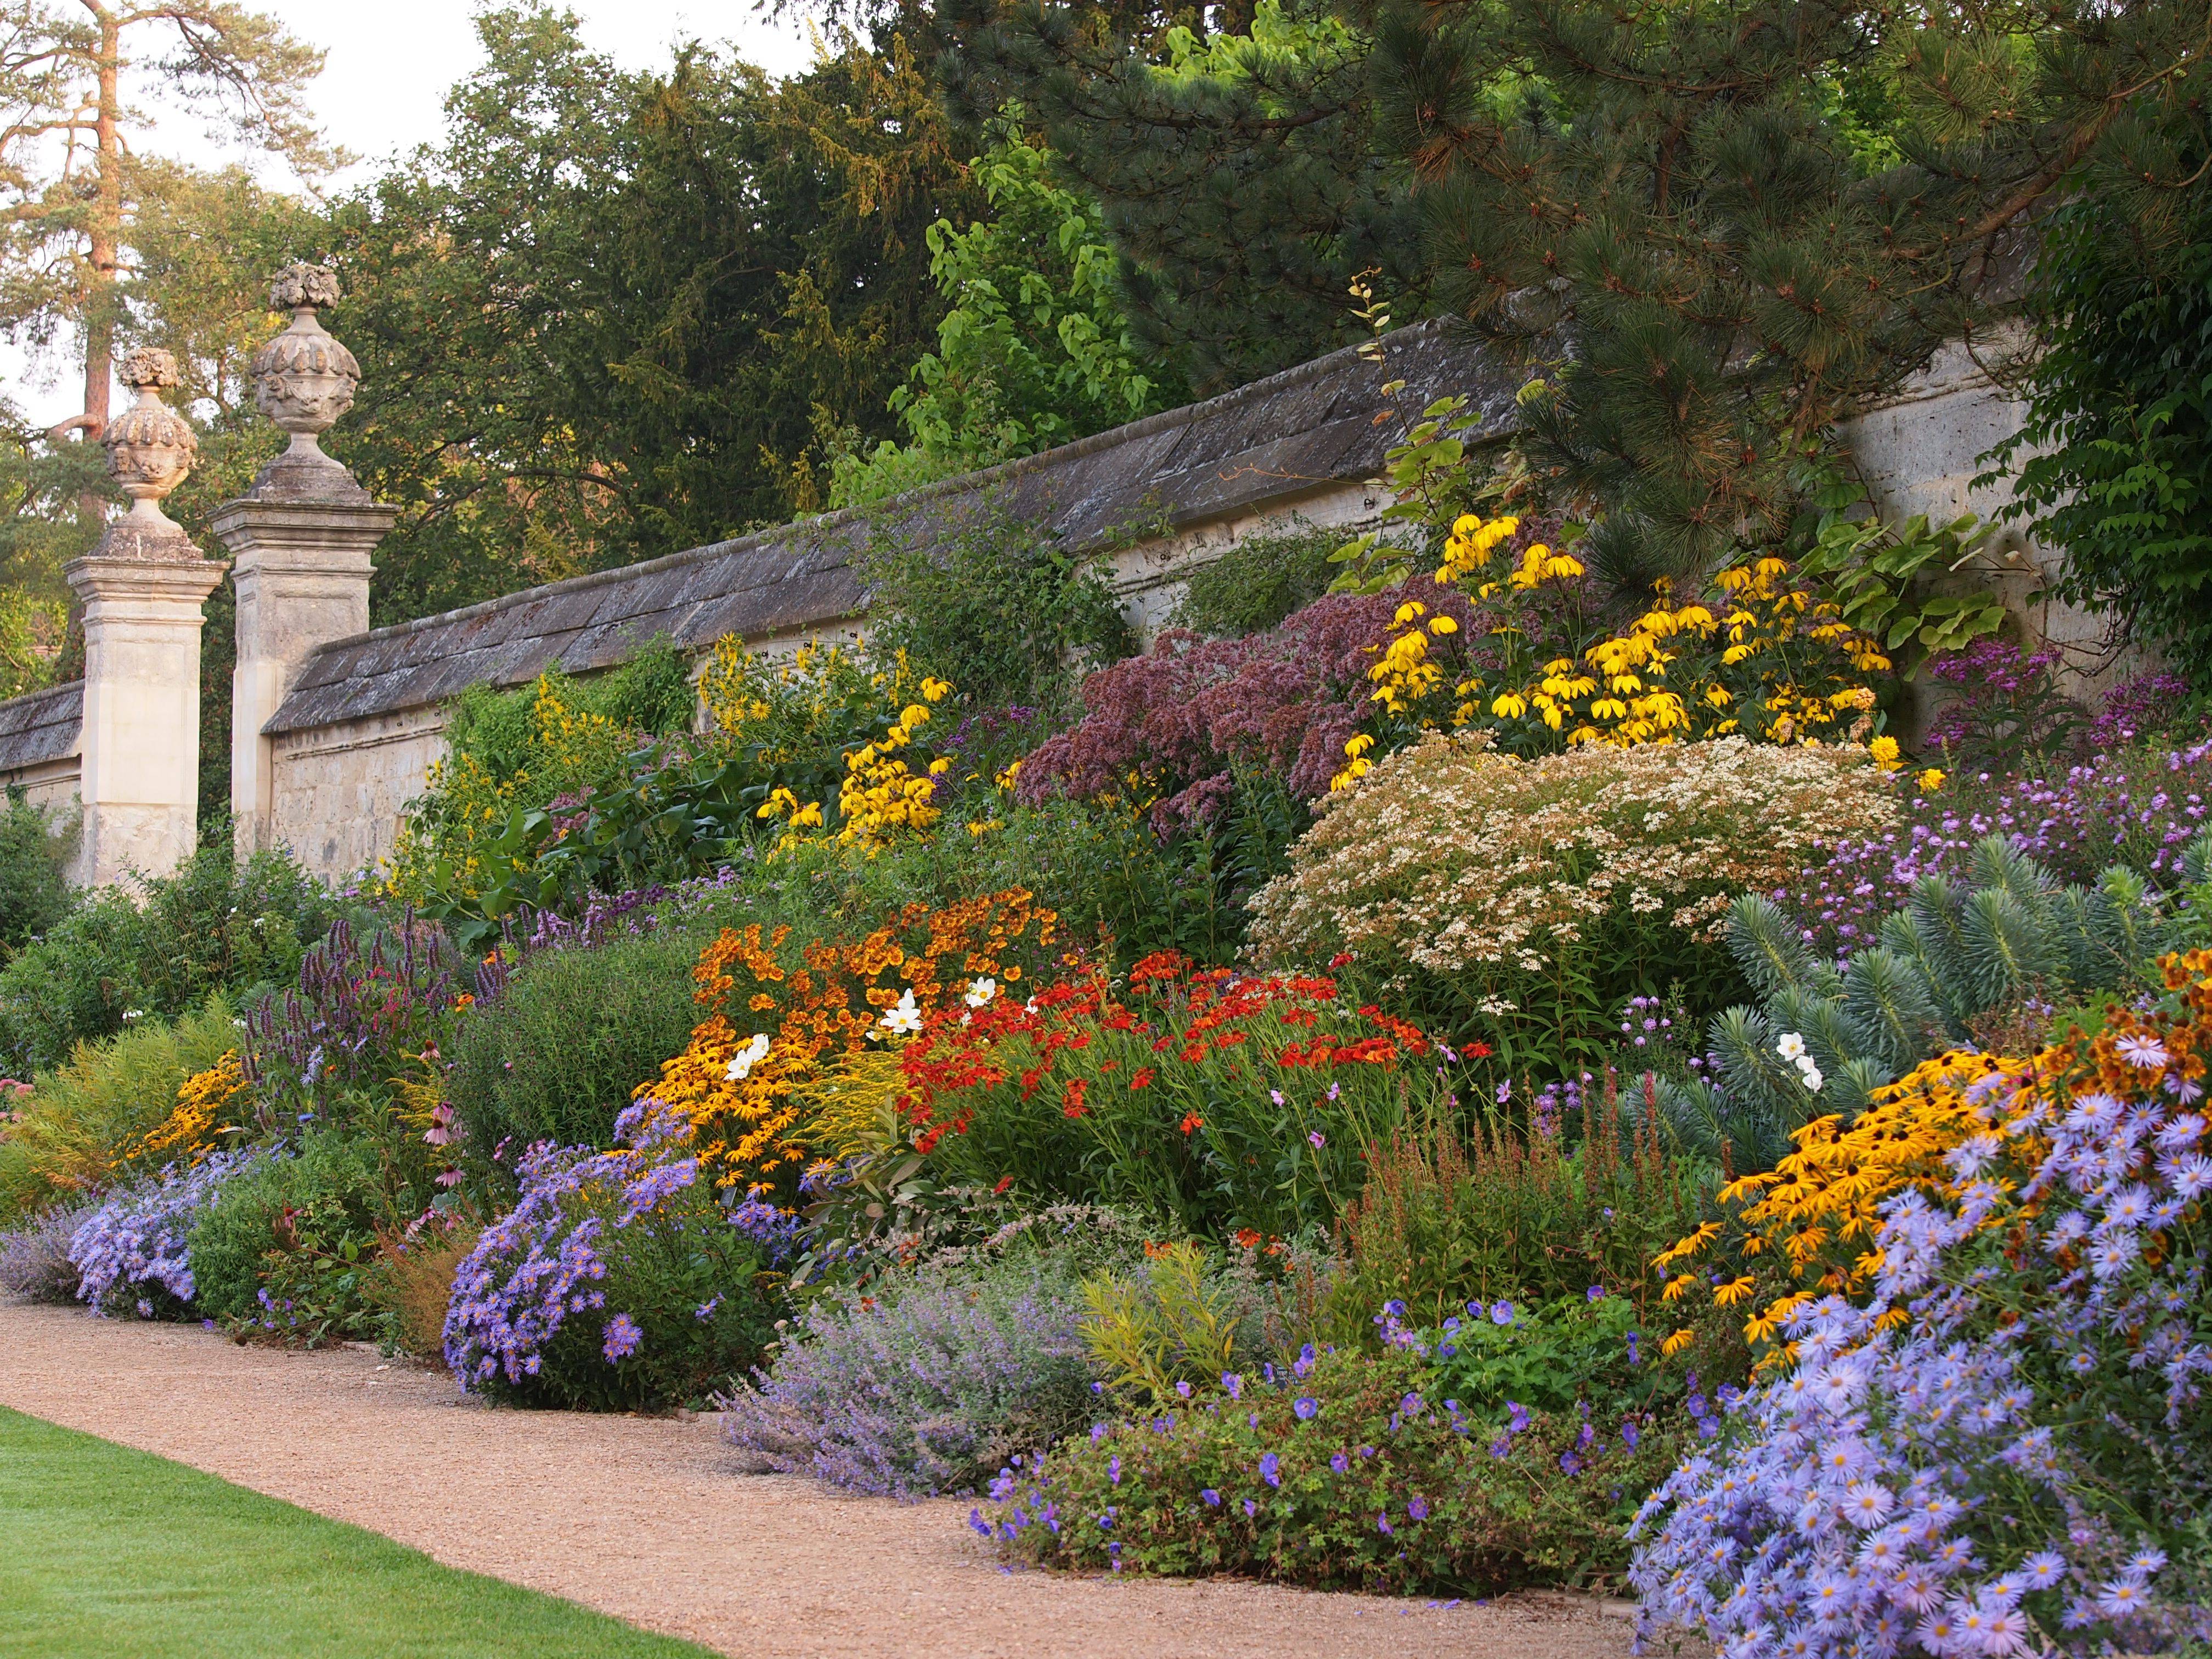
(647,1520)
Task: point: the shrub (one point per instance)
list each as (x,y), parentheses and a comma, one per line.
(213,926)
(2005,712)
(1003,613)
(617,1281)
(1346,1471)
(557,1054)
(1256,582)
(101,1116)
(2015,1414)
(32,850)
(1519,903)
(35,1253)
(361,1008)
(922,1386)
(2115,459)
(1192,1314)
(1513,1217)
(284,1247)
(1207,1100)
(1163,732)
(133,1251)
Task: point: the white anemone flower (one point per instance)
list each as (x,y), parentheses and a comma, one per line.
(905,1019)
(981,992)
(1792,1046)
(1811,1075)
(743,1061)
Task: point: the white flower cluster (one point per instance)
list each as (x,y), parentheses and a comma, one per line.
(1455,858)
(1792,1049)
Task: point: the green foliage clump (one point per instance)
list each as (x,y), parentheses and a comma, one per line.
(1959,960)
(499,730)
(556,1055)
(302,1229)
(1187,1316)
(1009,616)
(1512,1216)
(157,950)
(32,850)
(1256,582)
(1355,1472)
(2115,459)
(85,1114)
(1035,349)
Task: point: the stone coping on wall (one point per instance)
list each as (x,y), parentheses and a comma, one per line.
(41,727)
(1322,423)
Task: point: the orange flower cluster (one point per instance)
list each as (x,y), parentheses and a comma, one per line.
(778,1016)
(207,1102)
(1811,1226)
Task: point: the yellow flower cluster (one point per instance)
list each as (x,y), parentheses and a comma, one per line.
(826,698)
(1811,1226)
(209,1103)
(464,808)
(1814,1215)
(1761,661)
(881,795)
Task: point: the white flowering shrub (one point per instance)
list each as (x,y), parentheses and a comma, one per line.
(1524,900)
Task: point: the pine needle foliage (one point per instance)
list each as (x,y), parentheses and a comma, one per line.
(1961,954)
(1235,165)
(1697,196)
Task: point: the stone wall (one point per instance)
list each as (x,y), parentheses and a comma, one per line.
(356,736)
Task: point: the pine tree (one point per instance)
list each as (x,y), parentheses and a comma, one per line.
(1716,228)
(1689,194)
(1236,168)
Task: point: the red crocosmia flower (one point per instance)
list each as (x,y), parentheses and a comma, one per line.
(1194,1054)
(1070,1102)
(1192,1120)
(1005,1182)
(1141,1078)
(926,1144)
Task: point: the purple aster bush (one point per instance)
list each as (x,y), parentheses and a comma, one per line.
(1344,1470)
(131,1253)
(35,1253)
(2136,808)
(925,1385)
(620,1280)
(2005,1450)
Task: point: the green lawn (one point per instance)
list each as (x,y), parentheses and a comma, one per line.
(111,1553)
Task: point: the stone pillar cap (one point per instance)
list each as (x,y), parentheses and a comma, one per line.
(303,380)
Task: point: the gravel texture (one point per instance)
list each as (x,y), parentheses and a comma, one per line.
(649,1518)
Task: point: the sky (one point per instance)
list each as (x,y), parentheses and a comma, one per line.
(388,65)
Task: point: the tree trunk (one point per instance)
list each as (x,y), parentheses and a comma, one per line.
(104,231)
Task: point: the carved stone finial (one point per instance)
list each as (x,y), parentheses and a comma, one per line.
(303,285)
(150,448)
(303,380)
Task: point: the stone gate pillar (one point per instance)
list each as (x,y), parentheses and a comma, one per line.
(142,587)
(301,537)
